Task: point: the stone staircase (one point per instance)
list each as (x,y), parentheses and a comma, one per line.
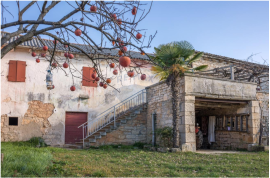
(121,119)
(112,119)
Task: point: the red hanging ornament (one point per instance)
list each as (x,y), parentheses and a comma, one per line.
(94,75)
(112,65)
(115,72)
(124,61)
(139,36)
(134,11)
(143,77)
(72,88)
(54,64)
(119,21)
(130,73)
(65,65)
(45,48)
(108,80)
(124,49)
(78,32)
(93,8)
(70,56)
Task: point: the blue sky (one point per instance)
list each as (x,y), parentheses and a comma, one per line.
(232,29)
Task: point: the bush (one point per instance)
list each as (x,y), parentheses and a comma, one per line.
(139,145)
(37,142)
(165,136)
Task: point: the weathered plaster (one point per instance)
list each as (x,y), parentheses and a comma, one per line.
(16,95)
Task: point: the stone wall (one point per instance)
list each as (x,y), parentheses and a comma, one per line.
(33,124)
(159,102)
(230,140)
(263,99)
(8,133)
(131,132)
(210,87)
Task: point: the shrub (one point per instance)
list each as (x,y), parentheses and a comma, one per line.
(139,145)
(165,136)
(37,142)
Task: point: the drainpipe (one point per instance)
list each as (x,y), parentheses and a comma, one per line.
(153,129)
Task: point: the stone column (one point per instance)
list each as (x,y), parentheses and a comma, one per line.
(254,122)
(187,124)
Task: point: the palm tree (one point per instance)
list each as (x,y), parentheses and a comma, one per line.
(173,60)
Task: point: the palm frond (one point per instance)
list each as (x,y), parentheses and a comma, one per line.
(160,72)
(195,57)
(199,68)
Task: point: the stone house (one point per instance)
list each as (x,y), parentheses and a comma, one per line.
(29,110)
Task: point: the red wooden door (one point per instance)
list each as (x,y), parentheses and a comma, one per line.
(72,132)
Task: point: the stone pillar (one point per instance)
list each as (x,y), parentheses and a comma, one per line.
(187,124)
(254,122)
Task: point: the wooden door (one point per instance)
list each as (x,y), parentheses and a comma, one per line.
(72,132)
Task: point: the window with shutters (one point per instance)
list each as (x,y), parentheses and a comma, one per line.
(16,71)
(87,77)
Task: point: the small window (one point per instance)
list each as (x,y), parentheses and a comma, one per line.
(87,79)
(13,121)
(16,71)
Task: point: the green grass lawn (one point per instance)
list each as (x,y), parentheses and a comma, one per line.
(20,159)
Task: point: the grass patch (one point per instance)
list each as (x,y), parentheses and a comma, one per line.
(111,161)
(21,159)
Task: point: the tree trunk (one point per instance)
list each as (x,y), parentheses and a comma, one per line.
(175,108)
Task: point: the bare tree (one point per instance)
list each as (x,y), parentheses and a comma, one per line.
(116,22)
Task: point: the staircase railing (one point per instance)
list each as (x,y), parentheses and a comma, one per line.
(110,115)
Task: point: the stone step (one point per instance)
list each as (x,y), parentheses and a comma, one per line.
(128,117)
(123,121)
(92,140)
(98,136)
(102,133)
(74,146)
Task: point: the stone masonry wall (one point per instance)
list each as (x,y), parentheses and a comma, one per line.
(127,134)
(33,124)
(8,133)
(160,103)
(263,99)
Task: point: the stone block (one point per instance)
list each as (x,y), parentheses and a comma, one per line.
(254,103)
(153,149)
(175,150)
(163,149)
(188,137)
(130,136)
(185,147)
(189,107)
(5,129)
(187,120)
(266,148)
(254,123)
